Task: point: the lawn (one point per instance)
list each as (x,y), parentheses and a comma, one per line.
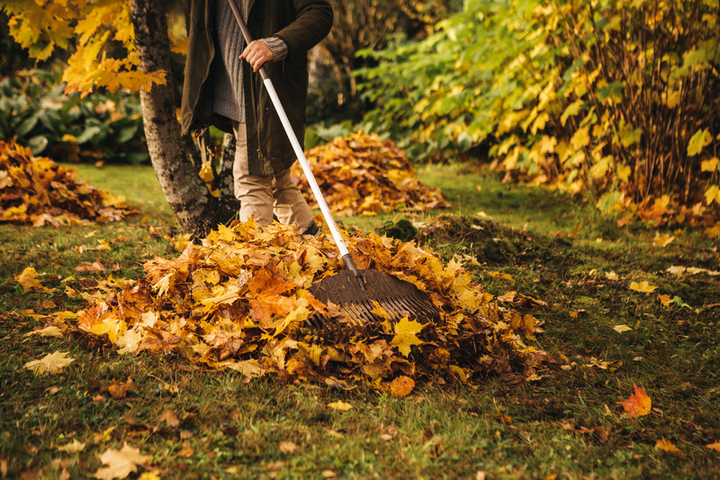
(570,267)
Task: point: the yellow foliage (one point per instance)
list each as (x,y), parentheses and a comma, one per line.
(92,25)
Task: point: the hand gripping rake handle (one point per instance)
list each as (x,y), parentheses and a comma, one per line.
(346,256)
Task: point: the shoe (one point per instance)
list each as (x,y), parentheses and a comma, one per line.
(313,229)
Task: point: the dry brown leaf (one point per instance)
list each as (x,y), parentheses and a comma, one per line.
(51,363)
(287,447)
(120,463)
(170,418)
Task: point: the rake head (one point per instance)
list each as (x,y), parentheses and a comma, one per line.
(368,299)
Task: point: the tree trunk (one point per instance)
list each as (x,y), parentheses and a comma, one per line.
(195,209)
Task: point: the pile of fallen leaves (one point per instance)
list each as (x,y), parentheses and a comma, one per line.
(240,300)
(364,175)
(36,190)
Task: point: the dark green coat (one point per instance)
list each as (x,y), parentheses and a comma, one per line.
(301,24)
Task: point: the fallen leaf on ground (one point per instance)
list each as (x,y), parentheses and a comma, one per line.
(714,446)
(662,241)
(668,446)
(642,287)
(50,363)
(72,447)
(119,390)
(639,404)
(621,328)
(186,451)
(170,418)
(340,406)
(401,386)
(120,463)
(28,280)
(50,331)
(88,267)
(287,447)
(666,300)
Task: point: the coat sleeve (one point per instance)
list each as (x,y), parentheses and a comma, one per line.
(313,21)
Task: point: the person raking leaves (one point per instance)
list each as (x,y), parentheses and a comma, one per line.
(222,89)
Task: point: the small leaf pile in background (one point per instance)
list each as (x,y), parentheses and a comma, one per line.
(364,175)
(240,301)
(36,190)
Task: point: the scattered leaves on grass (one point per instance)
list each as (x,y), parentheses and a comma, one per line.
(51,363)
(365,175)
(642,287)
(120,463)
(36,190)
(240,301)
(639,404)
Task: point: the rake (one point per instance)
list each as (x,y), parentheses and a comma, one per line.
(367,297)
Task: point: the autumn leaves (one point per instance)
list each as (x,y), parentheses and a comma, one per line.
(38,191)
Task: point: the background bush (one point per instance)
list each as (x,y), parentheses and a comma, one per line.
(617,100)
(70,128)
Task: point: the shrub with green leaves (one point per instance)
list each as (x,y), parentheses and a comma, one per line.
(70,128)
(617,100)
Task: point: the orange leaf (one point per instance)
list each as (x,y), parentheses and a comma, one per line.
(639,404)
(714,446)
(401,386)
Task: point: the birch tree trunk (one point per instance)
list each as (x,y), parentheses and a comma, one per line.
(195,209)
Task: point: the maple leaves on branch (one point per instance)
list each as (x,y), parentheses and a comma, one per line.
(36,190)
(365,175)
(240,301)
(92,31)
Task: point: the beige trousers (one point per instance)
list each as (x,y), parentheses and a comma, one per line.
(264,196)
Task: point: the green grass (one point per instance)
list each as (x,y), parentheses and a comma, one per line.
(568,423)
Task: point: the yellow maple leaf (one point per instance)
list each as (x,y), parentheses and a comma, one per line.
(28,280)
(642,287)
(50,363)
(120,463)
(405,335)
(639,404)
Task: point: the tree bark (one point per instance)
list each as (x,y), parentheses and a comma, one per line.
(195,209)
